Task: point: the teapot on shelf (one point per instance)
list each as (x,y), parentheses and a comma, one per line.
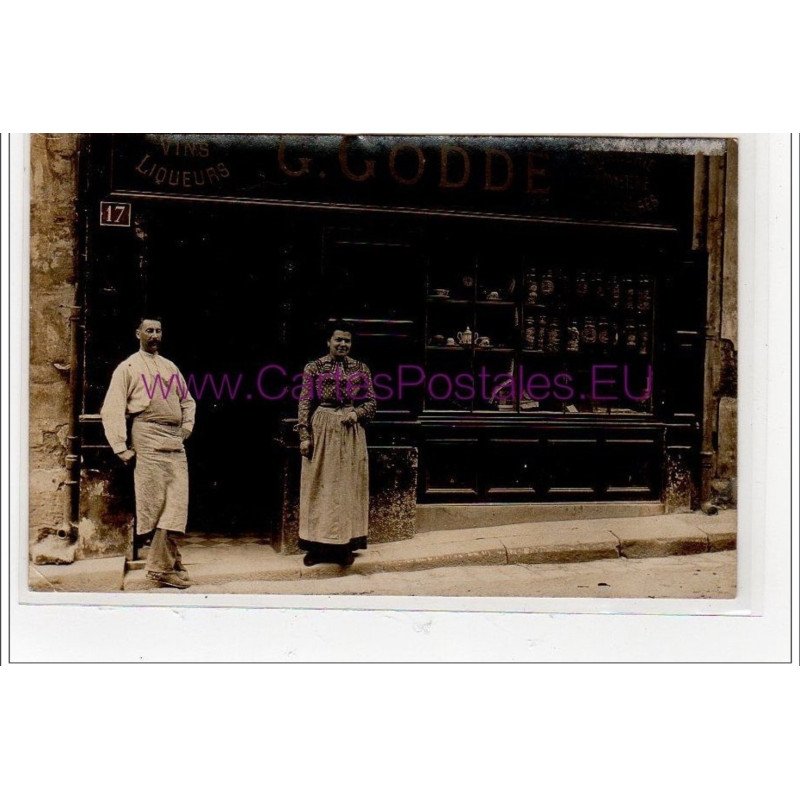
(466,337)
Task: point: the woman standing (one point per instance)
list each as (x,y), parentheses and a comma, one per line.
(336,400)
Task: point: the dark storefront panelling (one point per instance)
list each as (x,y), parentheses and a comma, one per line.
(246,250)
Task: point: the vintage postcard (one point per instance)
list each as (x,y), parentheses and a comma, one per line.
(433,365)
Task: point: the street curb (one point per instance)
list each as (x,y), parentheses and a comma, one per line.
(560,548)
(532,543)
(686,545)
(675,535)
(482,552)
(721,541)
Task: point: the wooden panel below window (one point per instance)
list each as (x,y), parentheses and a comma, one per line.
(450,469)
(506,465)
(513,469)
(570,467)
(631,467)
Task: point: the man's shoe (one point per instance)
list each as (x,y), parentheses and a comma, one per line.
(181,570)
(309,560)
(172,579)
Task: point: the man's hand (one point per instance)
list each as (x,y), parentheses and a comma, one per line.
(126,456)
(351,419)
(305,449)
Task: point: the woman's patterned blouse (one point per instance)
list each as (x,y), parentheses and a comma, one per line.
(338,382)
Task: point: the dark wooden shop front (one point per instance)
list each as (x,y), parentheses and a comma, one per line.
(524,268)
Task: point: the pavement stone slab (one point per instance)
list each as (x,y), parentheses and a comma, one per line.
(669,524)
(87,575)
(724,520)
(137,580)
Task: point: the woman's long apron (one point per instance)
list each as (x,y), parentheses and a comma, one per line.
(334,483)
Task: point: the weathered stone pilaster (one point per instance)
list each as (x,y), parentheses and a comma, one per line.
(724,487)
(719,448)
(53,269)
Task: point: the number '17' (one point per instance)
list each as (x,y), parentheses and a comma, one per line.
(115,213)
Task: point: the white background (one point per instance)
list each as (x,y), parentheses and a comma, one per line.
(553,730)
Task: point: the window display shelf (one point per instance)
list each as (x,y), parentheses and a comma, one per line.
(448,301)
(544,307)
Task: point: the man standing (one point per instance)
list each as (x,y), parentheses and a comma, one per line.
(151,390)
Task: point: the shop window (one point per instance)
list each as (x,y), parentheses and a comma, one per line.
(537,334)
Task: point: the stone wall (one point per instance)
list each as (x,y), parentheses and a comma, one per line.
(53,269)
(724,486)
(716,233)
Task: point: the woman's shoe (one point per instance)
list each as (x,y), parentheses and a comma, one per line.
(347,561)
(309,560)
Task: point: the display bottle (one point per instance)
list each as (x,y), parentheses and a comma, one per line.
(613,334)
(547,286)
(553,336)
(529,333)
(629,294)
(532,284)
(581,285)
(603,334)
(614,291)
(573,337)
(541,332)
(598,289)
(644,294)
(589,332)
(644,339)
(630,336)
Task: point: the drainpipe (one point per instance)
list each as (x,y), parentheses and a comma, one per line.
(76,327)
(72,460)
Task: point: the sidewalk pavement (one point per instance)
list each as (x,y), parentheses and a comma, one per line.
(701,576)
(221,560)
(217,560)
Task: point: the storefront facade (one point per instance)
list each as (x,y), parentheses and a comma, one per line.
(546,317)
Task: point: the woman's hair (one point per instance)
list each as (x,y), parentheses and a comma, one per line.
(337,325)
